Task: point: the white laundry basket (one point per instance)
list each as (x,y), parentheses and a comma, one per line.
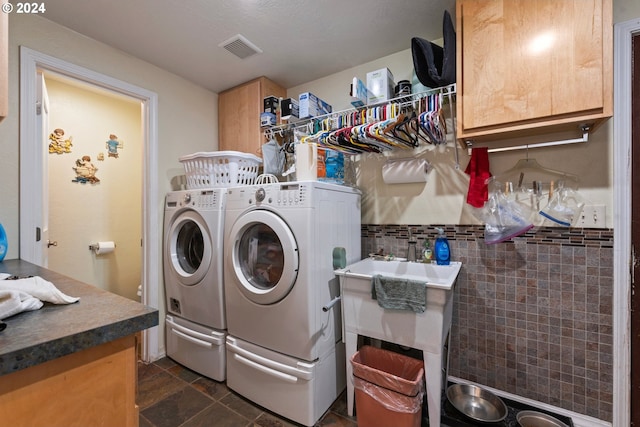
(218,169)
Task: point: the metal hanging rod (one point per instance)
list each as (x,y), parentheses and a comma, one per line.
(402,100)
(584,138)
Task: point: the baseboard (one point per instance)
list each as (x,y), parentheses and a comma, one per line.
(579,420)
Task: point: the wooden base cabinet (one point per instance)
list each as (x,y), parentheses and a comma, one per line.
(531,64)
(93,387)
(239,111)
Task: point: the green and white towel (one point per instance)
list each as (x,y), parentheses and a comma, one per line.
(399,294)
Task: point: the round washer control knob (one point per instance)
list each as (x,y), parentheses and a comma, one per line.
(260,194)
(187,198)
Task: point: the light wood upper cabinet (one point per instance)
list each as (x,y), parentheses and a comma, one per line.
(524,65)
(239,111)
(4,65)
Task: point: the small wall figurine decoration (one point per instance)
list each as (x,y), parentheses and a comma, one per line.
(112,145)
(57,143)
(85,171)
(101,157)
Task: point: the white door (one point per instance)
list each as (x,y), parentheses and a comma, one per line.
(34,195)
(41,255)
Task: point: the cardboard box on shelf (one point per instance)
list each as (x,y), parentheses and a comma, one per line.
(270,104)
(359,93)
(267,119)
(290,109)
(380,84)
(312,106)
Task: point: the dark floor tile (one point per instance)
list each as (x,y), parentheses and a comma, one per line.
(340,407)
(146,370)
(270,420)
(331,419)
(241,405)
(165,363)
(219,416)
(183,373)
(177,408)
(153,389)
(211,388)
(143,422)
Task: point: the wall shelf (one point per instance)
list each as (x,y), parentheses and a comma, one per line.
(448,91)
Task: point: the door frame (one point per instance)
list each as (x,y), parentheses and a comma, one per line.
(622,257)
(30,62)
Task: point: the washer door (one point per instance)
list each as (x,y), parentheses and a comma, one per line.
(264,256)
(189,247)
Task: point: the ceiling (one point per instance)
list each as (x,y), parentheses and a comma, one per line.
(301,40)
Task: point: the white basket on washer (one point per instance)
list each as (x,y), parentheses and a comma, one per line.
(220,169)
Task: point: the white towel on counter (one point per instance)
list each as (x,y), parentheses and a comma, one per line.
(14,302)
(35,287)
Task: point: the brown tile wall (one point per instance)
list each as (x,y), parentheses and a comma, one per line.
(532,316)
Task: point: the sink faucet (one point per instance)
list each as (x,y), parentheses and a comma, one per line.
(412,249)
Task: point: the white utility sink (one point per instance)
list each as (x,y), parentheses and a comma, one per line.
(428,331)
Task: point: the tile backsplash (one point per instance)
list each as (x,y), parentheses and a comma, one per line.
(532,316)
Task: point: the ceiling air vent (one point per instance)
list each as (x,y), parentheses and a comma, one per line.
(240,46)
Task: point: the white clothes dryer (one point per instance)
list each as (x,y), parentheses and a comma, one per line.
(193,278)
(283,312)
(279,263)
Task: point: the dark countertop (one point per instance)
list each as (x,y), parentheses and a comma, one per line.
(34,337)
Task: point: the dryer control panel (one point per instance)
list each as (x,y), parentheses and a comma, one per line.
(275,195)
(197,199)
(301,194)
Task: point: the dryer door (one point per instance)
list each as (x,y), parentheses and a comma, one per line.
(264,256)
(189,247)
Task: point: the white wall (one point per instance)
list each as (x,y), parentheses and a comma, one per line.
(624,10)
(81,214)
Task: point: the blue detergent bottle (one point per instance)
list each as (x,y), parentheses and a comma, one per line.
(441,248)
(3,243)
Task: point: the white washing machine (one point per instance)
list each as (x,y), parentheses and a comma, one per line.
(194,290)
(283,312)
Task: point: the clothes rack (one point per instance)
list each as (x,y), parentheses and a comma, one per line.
(584,138)
(404,122)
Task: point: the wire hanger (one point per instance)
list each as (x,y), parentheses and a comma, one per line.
(528,173)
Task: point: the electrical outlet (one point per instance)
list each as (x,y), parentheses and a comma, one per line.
(592,216)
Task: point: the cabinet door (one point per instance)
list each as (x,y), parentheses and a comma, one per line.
(4,71)
(527,62)
(239,111)
(239,118)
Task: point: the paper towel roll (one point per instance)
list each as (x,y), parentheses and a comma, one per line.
(403,171)
(104,248)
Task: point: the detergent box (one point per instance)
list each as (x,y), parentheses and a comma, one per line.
(312,106)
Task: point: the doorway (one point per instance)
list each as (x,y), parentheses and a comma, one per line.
(635,231)
(32,160)
(94,161)
(626,221)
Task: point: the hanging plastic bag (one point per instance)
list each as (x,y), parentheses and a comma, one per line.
(564,207)
(504,219)
(273,158)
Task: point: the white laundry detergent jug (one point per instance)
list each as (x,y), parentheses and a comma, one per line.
(306,162)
